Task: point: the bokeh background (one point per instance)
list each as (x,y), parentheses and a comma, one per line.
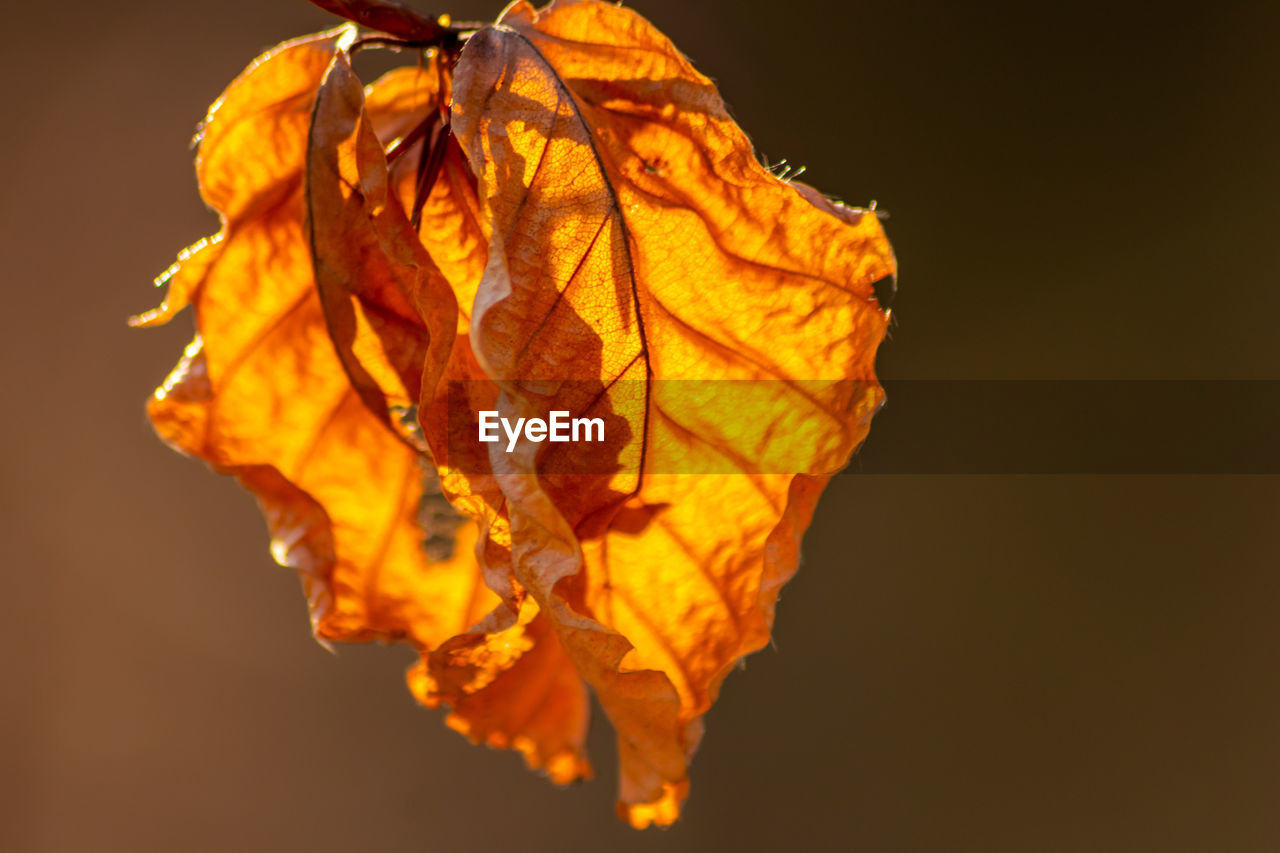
(964,663)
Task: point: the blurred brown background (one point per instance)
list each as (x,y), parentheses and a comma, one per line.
(1084,190)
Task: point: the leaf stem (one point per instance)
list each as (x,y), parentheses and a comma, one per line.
(421,129)
(428,170)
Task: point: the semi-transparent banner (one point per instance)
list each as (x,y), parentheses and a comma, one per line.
(899,427)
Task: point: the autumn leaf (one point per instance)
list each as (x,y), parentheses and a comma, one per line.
(262,394)
(386,298)
(636,241)
(387,17)
(551,213)
(390,311)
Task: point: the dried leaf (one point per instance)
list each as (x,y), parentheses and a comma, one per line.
(513,689)
(636,243)
(558,216)
(262,394)
(390,309)
(385,16)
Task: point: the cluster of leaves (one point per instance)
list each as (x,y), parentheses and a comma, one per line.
(554,211)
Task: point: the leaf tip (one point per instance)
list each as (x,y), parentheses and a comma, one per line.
(663,811)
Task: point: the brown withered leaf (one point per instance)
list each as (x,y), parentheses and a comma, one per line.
(262,394)
(639,253)
(390,311)
(385,16)
(508,680)
(513,688)
(552,213)
(386,299)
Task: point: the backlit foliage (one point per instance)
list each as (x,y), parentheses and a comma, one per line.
(552,212)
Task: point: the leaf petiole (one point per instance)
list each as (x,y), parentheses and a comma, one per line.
(428,170)
(404,143)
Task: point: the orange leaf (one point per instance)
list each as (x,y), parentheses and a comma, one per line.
(512,689)
(559,216)
(390,309)
(262,394)
(391,316)
(640,255)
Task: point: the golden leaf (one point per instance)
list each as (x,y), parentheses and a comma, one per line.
(552,213)
(262,394)
(640,255)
